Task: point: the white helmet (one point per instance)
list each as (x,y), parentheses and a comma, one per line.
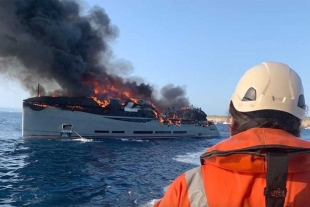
(270,85)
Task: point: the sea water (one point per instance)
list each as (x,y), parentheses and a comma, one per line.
(86,172)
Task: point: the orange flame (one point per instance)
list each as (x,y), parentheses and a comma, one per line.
(134,100)
(126,94)
(42,105)
(103,103)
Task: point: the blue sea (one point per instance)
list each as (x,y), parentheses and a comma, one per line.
(86,172)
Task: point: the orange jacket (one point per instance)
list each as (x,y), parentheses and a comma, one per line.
(238,179)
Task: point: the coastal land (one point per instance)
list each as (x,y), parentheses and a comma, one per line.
(221,119)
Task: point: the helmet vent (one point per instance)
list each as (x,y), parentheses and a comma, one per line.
(301,102)
(250,95)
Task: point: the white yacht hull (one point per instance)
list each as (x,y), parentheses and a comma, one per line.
(49,121)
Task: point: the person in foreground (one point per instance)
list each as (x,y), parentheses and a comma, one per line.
(264,162)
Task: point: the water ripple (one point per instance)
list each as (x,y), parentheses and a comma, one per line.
(66,172)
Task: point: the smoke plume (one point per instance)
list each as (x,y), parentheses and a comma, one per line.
(52,42)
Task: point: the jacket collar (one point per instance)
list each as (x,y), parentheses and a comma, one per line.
(244,152)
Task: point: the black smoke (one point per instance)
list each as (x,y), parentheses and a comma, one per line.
(173,97)
(55,43)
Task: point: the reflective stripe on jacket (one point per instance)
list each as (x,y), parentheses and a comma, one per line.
(233,177)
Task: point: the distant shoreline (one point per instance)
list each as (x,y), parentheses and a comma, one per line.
(10,109)
(221,119)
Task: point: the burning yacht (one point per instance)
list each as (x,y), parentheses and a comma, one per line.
(72,57)
(49,116)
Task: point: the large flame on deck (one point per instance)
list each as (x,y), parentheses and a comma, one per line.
(102,95)
(111,91)
(172,116)
(108,91)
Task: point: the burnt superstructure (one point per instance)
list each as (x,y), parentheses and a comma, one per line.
(109,107)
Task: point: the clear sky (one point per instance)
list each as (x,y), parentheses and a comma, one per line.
(205,46)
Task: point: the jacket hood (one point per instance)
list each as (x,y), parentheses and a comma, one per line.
(245,152)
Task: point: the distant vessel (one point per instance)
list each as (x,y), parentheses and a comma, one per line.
(49,116)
